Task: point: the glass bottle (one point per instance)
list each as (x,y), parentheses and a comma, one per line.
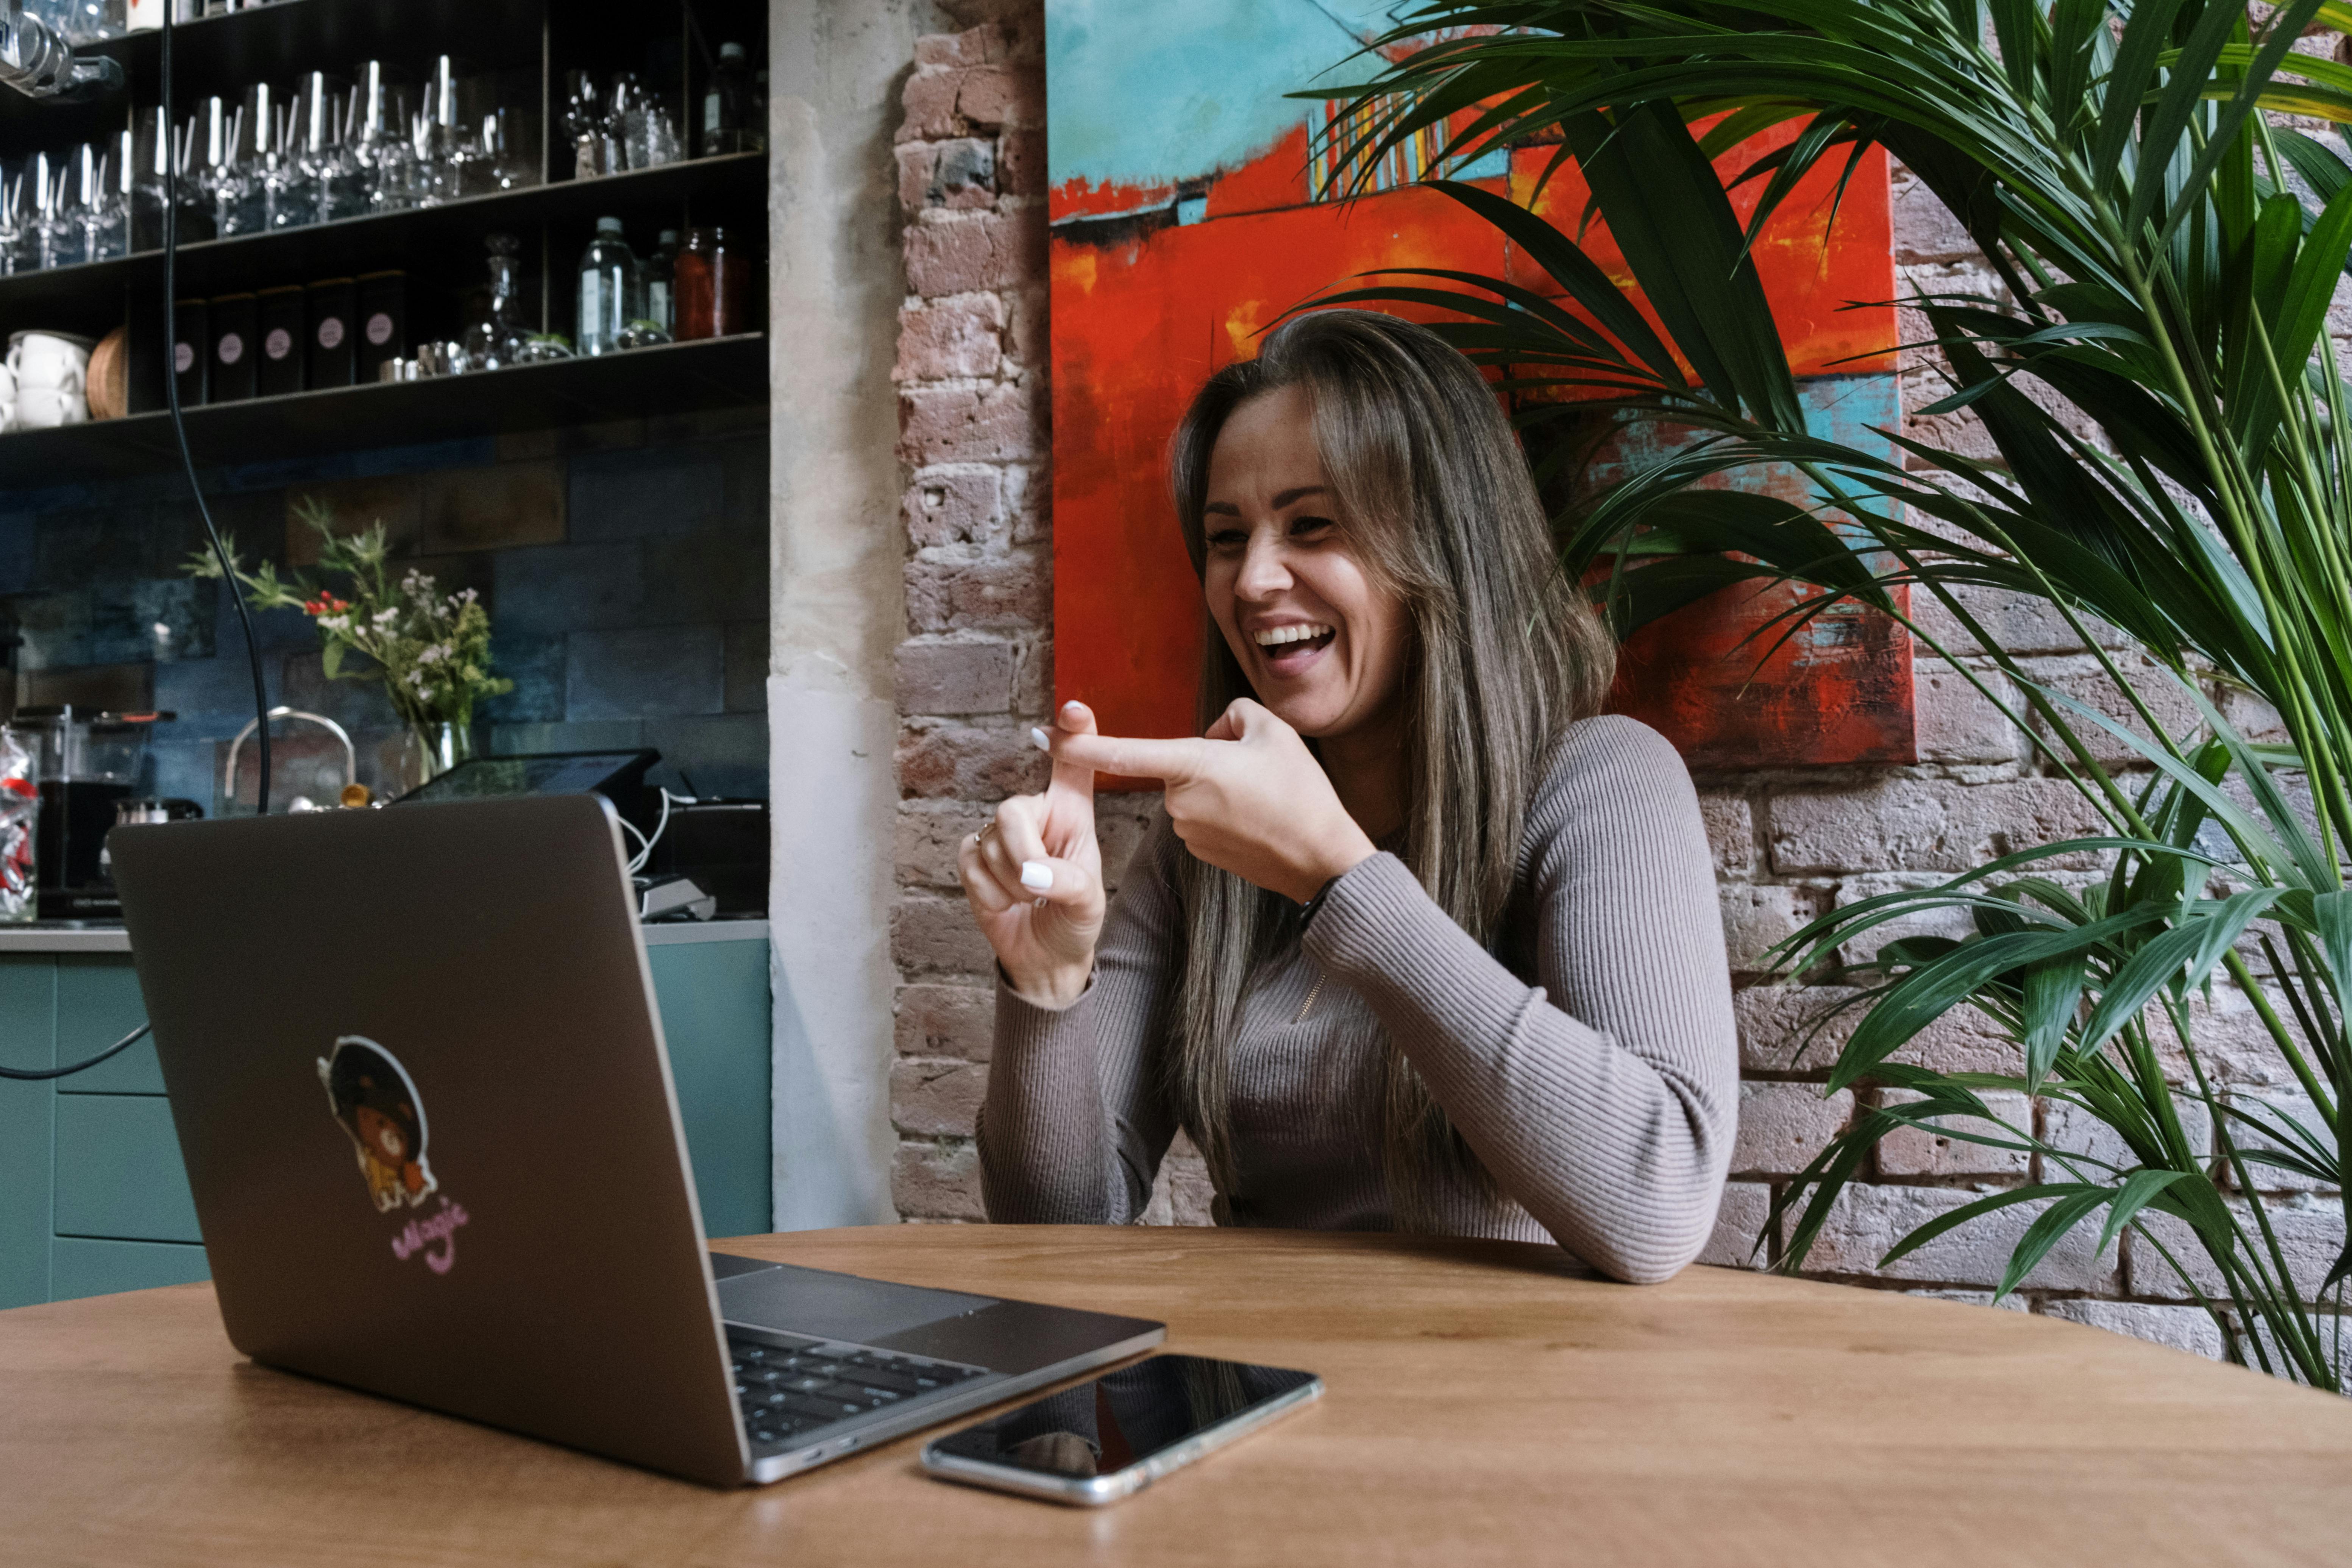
(661,288)
(713,286)
(653,136)
(613,131)
(583,127)
(497,334)
(608,284)
(727,105)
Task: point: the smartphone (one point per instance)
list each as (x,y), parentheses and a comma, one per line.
(1110,1439)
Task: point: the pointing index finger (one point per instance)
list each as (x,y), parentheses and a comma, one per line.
(1070,778)
(1167,761)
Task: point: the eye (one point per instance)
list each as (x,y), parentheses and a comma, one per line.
(1310,526)
(1228,538)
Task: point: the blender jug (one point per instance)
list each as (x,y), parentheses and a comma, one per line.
(89,763)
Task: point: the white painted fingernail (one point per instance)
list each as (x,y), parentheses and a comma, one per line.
(1036,875)
(1037,739)
(1072,706)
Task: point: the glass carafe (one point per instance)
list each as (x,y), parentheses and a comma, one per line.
(498,332)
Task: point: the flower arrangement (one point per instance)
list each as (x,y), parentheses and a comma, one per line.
(430,650)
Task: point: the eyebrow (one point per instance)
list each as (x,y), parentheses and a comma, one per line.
(1281,498)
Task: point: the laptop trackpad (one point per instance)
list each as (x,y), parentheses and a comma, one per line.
(812,1301)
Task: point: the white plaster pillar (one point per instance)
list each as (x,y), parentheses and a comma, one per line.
(834,283)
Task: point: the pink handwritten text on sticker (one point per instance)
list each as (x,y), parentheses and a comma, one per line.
(421,1234)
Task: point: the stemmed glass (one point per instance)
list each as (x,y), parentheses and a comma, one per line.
(145,167)
(237,198)
(333,174)
(106,209)
(19,242)
(288,195)
(385,154)
(447,146)
(64,241)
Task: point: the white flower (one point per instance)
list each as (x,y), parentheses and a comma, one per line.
(384,618)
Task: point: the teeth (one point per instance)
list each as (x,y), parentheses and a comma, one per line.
(1275,637)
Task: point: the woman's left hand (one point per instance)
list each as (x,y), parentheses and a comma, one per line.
(1247,797)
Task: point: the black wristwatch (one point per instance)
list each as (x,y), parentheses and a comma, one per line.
(1308,910)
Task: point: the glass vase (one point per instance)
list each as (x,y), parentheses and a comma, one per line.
(432,748)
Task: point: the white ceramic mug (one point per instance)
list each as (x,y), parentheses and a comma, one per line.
(48,359)
(46,407)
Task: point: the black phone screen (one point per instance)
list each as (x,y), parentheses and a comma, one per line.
(1122,1418)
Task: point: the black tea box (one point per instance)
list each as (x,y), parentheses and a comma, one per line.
(191,351)
(283,317)
(334,336)
(384,319)
(235,350)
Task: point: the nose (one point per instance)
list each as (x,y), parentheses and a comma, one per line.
(1264,570)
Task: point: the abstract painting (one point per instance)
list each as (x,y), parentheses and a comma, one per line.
(1190,210)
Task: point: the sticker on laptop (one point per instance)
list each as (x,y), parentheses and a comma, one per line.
(375,1102)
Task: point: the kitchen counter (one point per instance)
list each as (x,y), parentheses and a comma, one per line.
(91,936)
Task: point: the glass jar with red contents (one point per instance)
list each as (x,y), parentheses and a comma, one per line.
(713,282)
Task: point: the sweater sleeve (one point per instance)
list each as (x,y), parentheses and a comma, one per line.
(1074,1123)
(1604,1100)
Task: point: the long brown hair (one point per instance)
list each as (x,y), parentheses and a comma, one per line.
(1436,498)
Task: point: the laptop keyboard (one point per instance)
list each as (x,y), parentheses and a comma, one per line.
(789,1387)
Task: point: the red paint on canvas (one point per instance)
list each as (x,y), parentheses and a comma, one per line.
(1139,320)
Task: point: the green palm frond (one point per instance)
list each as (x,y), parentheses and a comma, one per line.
(2168,421)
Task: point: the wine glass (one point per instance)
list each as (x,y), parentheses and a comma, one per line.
(106,213)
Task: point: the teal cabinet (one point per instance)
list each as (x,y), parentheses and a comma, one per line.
(93,1197)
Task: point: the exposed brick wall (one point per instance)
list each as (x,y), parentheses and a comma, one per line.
(975,671)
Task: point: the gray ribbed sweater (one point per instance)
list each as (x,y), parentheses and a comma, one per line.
(1593,1066)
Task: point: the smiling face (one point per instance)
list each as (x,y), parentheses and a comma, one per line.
(1321,641)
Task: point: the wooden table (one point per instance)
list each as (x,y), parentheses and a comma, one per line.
(1485,1405)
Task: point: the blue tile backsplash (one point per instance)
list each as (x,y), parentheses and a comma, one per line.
(626,573)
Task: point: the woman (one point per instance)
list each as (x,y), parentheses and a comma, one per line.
(1421,943)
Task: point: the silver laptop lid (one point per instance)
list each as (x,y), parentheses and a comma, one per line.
(421,1090)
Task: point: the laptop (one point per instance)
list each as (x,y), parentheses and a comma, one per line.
(420,1087)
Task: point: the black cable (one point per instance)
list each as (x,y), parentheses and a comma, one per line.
(116,1049)
(180,423)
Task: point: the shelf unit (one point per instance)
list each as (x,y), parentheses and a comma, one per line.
(518,52)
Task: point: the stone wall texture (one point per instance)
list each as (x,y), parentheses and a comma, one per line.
(623,565)
(975,671)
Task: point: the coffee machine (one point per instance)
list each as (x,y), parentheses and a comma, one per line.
(89,763)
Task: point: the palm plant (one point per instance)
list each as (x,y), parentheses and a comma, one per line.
(2169,245)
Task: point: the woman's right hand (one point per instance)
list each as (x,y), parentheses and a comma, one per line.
(1034,879)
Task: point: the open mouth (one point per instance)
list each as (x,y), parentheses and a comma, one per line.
(1292,647)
